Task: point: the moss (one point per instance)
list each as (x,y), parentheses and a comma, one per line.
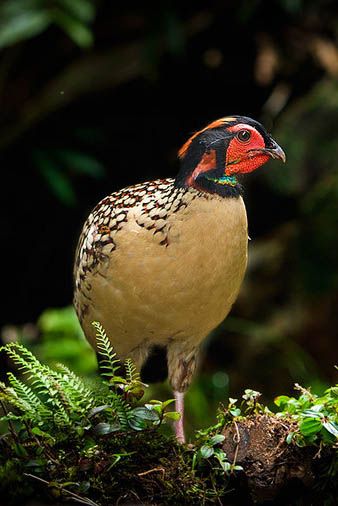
(99,446)
(125,468)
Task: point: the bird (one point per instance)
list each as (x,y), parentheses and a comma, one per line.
(160,264)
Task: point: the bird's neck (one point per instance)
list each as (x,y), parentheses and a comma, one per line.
(205,172)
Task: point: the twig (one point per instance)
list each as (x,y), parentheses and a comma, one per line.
(318,454)
(237,441)
(156,469)
(75,497)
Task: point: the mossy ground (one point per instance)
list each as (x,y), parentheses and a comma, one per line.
(99,445)
(150,468)
(127,468)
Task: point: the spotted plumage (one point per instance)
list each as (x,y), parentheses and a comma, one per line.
(153,203)
(160,264)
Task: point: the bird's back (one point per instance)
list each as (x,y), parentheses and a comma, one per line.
(157,263)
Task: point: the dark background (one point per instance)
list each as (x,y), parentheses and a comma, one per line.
(95,96)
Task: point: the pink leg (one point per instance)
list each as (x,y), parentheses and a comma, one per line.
(179,425)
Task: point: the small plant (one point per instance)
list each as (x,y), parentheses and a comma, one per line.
(316,416)
(208,449)
(97,443)
(236,409)
(57,399)
(53,415)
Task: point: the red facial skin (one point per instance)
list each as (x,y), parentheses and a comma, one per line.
(241,156)
(240,159)
(237,150)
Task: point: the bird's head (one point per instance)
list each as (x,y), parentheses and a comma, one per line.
(213,157)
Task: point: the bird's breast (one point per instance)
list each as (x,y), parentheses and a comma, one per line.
(177,282)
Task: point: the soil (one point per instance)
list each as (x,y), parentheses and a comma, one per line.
(273,470)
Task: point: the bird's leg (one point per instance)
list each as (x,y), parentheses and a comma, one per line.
(181,366)
(179,425)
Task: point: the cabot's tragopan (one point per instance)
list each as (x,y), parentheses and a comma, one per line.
(160,264)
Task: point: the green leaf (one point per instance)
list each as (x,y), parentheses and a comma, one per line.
(74,28)
(217,439)
(289,437)
(135,392)
(11,8)
(281,401)
(145,414)
(173,415)
(20,450)
(36,463)
(45,435)
(108,360)
(155,407)
(23,26)
(137,423)
(57,181)
(166,403)
(310,426)
(105,428)
(117,379)
(237,468)
(84,10)
(314,411)
(97,410)
(333,391)
(221,457)
(331,427)
(206,451)
(226,466)
(80,162)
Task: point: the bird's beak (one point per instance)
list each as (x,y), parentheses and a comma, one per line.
(275,151)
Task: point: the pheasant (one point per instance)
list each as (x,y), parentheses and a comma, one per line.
(160,264)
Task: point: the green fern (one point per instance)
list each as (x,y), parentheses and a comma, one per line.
(8,395)
(109,363)
(132,374)
(121,409)
(39,375)
(49,396)
(41,382)
(52,400)
(31,404)
(79,395)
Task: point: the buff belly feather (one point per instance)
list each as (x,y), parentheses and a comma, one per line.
(153,293)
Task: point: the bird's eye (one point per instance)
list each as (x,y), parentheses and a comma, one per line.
(244,135)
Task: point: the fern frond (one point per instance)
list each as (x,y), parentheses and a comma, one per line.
(121,409)
(23,400)
(59,398)
(30,365)
(132,374)
(26,395)
(43,382)
(80,396)
(9,396)
(108,361)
